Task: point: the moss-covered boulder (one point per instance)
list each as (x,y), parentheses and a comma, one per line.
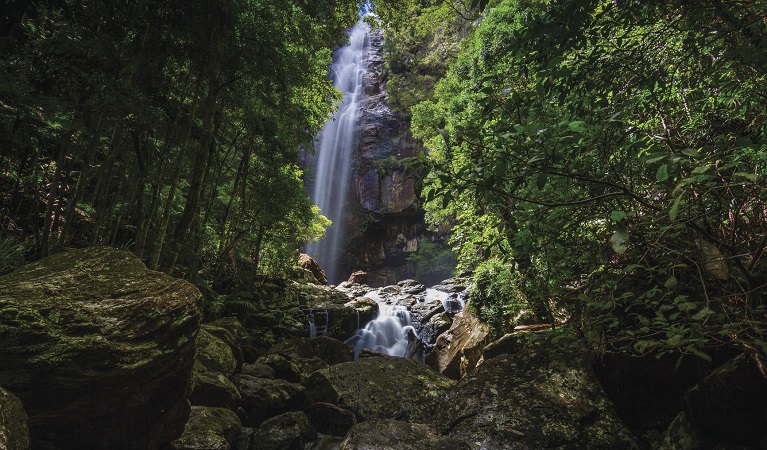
(542,394)
(214,389)
(209,429)
(214,355)
(241,334)
(226,336)
(391,434)
(289,431)
(263,398)
(14,433)
(308,355)
(99,349)
(380,388)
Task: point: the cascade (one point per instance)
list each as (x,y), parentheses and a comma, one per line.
(388,333)
(335,145)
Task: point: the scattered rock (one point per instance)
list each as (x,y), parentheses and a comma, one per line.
(215,390)
(545,395)
(359,277)
(91,332)
(209,429)
(263,398)
(14,434)
(214,354)
(243,337)
(228,338)
(306,262)
(393,434)
(289,431)
(330,419)
(257,370)
(380,388)
(457,351)
(283,369)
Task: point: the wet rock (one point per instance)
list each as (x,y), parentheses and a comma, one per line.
(214,354)
(544,395)
(215,390)
(729,406)
(411,286)
(331,419)
(229,339)
(91,332)
(14,433)
(393,434)
(380,388)
(457,351)
(264,397)
(289,431)
(209,429)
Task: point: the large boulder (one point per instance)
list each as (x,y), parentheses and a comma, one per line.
(307,263)
(214,354)
(214,389)
(241,335)
(457,351)
(380,388)
(729,406)
(99,349)
(542,394)
(209,429)
(289,431)
(308,355)
(263,398)
(391,434)
(14,433)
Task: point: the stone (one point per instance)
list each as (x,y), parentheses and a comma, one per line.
(14,433)
(393,434)
(214,389)
(209,429)
(457,351)
(544,395)
(289,431)
(306,262)
(380,387)
(263,398)
(214,354)
(331,419)
(680,435)
(241,334)
(359,277)
(307,355)
(258,370)
(729,406)
(99,349)
(229,339)
(283,369)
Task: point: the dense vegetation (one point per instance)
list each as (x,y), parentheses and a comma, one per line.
(601,161)
(171,129)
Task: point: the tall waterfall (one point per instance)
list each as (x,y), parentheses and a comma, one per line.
(335,145)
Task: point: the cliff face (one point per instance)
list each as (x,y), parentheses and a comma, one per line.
(385,220)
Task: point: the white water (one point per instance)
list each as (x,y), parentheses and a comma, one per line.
(335,145)
(388,333)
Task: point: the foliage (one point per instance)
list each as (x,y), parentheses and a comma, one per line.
(496,297)
(171,129)
(614,152)
(432,262)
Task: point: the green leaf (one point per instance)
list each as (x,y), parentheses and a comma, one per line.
(619,240)
(700,354)
(749,176)
(690,152)
(702,314)
(672,214)
(617,216)
(670,283)
(662,173)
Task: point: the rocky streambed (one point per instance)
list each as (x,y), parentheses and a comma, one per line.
(99,353)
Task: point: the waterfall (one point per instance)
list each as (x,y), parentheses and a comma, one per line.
(335,145)
(388,333)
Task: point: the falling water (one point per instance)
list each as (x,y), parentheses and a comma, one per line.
(388,333)
(336,143)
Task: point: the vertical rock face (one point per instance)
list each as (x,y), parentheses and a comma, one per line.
(13,422)
(99,349)
(385,220)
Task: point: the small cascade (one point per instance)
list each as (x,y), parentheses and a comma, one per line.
(389,333)
(453,303)
(318,322)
